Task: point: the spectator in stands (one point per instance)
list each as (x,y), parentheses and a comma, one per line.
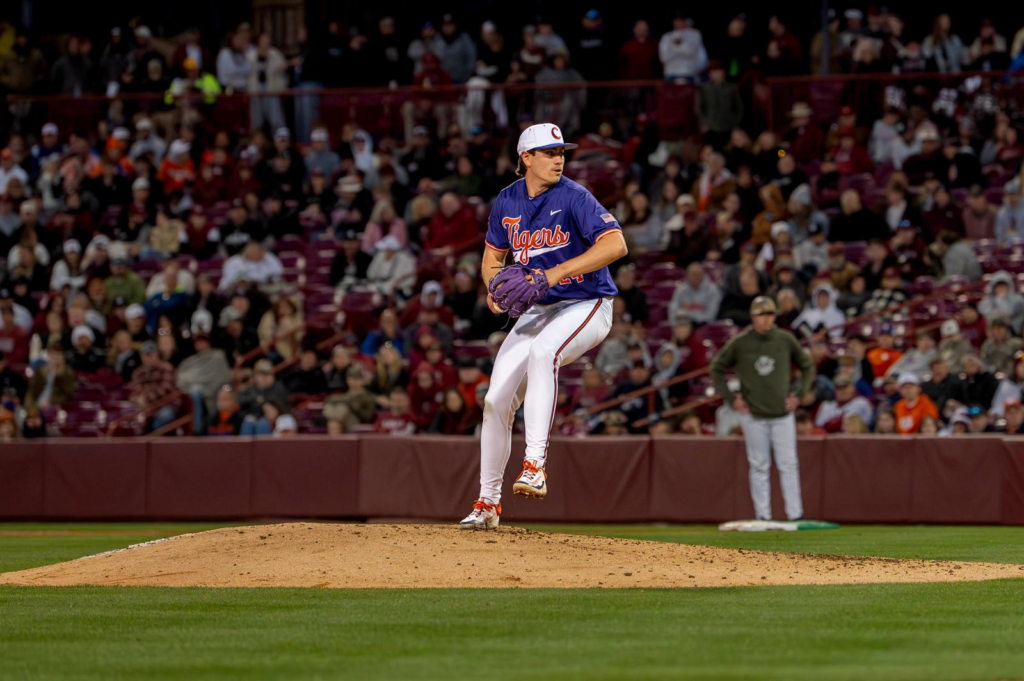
(841,272)
(397,420)
(458,51)
(638,58)
(1010,216)
(821,314)
(979,216)
(123,282)
(832,414)
(953,257)
(980,385)
(914,406)
(280,330)
(1014,414)
(878,260)
(637,408)
(889,296)
(944,388)
(1011,388)
(721,107)
(812,254)
(885,421)
(943,216)
(696,298)
(266,420)
(454,417)
(390,371)
(631,294)
(387,331)
(355,407)
(123,357)
(774,211)
(803,214)
(453,225)
(1002,301)
(944,46)
(918,359)
(335,370)
(151,383)
(265,387)
(713,185)
(85,358)
(735,305)
(11,380)
(1000,348)
(255,264)
(953,347)
(973,328)
(201,376)
(897,206)
(856,223)
(885,354)
(682,52)
(805,139)
(307,378)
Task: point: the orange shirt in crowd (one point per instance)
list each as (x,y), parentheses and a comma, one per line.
(175,175)
(908,419)
(881,359)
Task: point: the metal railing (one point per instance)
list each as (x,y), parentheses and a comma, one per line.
(494,107)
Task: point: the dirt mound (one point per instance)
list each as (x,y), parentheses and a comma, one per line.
(403,556)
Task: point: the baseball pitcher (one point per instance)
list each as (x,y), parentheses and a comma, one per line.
(762,357)
(559,290)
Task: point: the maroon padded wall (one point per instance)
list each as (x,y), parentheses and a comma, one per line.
(597,479)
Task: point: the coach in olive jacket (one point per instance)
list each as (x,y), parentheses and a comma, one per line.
(762,357)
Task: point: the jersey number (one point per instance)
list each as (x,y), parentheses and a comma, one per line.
(568,280)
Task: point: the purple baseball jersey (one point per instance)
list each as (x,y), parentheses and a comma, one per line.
(556,226)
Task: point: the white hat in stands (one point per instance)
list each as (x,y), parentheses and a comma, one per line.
(542,136)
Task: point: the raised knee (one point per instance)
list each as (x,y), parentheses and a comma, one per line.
(541,354)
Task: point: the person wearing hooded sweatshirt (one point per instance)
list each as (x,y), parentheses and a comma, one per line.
(821,313)
(696,298)
(668,363)
(1002,300)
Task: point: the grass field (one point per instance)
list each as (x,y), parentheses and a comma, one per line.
(922,631)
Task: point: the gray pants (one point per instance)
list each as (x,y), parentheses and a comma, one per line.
(762,437)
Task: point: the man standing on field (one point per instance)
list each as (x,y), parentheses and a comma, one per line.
(762,357)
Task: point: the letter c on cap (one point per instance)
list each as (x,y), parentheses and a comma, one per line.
(554,133)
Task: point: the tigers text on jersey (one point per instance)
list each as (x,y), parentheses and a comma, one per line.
(558,225)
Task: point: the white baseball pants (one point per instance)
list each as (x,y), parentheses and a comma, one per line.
(526,369)
(762,437)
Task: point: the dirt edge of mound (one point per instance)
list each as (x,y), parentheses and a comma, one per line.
(444,556)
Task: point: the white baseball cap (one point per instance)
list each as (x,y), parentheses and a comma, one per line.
(907,377)
(50,129)
(134,311)
(542,136)
(286,423)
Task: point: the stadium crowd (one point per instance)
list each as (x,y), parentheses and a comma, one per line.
(155,255)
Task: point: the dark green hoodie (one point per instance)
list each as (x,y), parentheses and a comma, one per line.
(763,364)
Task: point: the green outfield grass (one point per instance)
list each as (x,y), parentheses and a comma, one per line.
(923,631)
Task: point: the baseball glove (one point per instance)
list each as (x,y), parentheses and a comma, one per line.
(514,292)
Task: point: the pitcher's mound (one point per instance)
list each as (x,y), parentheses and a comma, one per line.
(401,556)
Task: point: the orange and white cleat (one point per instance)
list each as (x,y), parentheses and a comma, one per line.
(485,516)
(532,482)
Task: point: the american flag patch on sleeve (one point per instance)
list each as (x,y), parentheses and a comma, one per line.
(607,217)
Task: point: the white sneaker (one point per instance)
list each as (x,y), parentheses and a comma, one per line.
(485,516)
(532,482)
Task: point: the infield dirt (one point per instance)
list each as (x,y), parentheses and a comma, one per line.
(419,556)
